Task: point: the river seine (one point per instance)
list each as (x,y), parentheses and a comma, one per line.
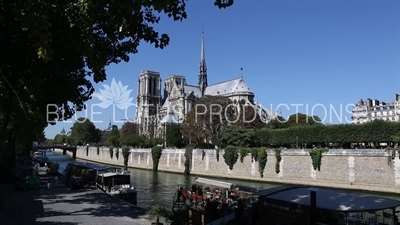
(160,187)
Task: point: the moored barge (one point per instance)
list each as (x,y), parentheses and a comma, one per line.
(228,203)
(112,180)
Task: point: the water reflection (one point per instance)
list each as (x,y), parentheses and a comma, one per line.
(160,187)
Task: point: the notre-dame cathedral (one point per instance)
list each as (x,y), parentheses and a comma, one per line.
(154,111)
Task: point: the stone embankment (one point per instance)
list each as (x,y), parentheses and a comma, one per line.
(358,169)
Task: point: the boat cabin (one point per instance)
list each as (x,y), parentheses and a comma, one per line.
(292,205)
(88,171)
(107,181)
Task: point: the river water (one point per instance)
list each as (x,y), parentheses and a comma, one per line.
(160,187)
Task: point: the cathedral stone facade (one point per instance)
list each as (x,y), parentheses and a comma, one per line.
(155,111)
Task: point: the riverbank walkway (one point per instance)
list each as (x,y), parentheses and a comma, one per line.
(62,206)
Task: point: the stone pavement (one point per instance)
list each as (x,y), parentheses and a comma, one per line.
(61,206)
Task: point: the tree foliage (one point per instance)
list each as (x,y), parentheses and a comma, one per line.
(318,135)
(83,132)
(278,123)
(248,118)
(133,140)
(156,153)
(60,139)
(113,138)
(51,52)
(236,136)
(205,121)
(300,119)
(126,151)
(129,129)
(174,136)
(231,156)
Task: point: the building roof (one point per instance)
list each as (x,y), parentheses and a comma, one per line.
(111,174)
(191,89)
(93,166)
(226,88)
(229,87)
(228,185)
(329,199)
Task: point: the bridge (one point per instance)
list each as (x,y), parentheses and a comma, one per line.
(64,148)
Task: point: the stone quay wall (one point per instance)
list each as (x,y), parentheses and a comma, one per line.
(358,169)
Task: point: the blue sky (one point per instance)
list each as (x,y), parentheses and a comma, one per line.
(314,53)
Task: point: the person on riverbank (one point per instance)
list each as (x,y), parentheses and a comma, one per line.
(49,183)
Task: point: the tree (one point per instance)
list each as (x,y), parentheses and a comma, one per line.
(113,138)
(204,122)
(278,123)
(300,119)
(52,50)
(248,118)
(129,128)
(83,132)
(60,139)
(174,136)
(236,136)
(133,140)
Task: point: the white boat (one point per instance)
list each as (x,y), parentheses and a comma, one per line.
(117,184)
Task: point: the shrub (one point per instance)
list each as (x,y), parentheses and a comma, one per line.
(156,153)
(254,154)
(111,152)
(278,160)
(231,156)
(316,157)
(117,153)
(126,151)
(188,159)
(243,153)
(262,161)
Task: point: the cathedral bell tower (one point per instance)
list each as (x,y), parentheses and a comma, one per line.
(203,68)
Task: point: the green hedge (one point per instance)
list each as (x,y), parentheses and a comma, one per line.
(376,131)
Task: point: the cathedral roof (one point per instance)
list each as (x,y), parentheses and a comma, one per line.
(192,89)
(229,87)
(226,88)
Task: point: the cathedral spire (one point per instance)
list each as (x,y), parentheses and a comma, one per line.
(203,67)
